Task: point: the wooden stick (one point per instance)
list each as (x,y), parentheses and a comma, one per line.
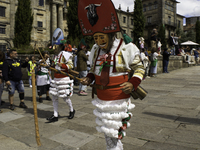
(35,109)
(62,72)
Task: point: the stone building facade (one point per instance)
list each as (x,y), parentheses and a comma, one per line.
(125,21)
(161,12)
(48,15)
(191,23)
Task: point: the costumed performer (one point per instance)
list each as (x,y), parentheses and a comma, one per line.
(111,60)
(62,86)
(43,78)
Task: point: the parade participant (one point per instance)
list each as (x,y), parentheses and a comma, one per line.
(68,47)
(12,75)
(111,60)
(43,77)
(62,86)
(31,67)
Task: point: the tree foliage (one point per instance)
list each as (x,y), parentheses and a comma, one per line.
(161,35)
(185,36)
(23,23)
(197,27)
(138,19)
(74,29)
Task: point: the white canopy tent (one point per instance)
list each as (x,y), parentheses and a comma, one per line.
(189,43)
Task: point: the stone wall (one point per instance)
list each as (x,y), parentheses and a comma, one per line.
(175,62)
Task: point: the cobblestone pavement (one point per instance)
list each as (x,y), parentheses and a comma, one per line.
(168,118)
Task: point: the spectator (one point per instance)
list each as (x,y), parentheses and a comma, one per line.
(68,47)
(154,61)
(2,58)
(154,38)
(141,42)
(7,53)
(43,78)
(88,54)
(165,60)
(12,75)
(159,46)
(172,44)
(74,49)
(176,44)
(82,65)
(148,66)
(145,62)
(31,67)
(196,54)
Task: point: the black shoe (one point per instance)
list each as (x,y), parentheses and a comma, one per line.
(12,107)
(22,105)
(52,119)
(71,114)
(1,111)
(48,98)
(2,102)
(40,100)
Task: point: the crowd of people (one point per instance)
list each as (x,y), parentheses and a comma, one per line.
(149,55)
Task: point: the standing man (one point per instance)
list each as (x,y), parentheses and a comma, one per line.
(82,65)
(12,75)
(111,60)
(172,44)
(176,44)
(154,38)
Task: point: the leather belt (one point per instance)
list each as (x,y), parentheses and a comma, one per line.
(101,87)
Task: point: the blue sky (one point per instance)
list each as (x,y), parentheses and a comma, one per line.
(186,8)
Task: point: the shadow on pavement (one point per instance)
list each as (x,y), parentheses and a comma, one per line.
(175,118)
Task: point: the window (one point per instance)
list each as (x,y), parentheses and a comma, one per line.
(149,19)
(132,34)
(2,30)
(124,31)
(65,4)
(2,11)
(169,20)
(41,2)
(155,5)
(179,24)
(40,24)
(144,8)
(2,47)
(149,8)
(124,19)
(131,21)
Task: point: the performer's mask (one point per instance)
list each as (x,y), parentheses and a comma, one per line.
(101,39)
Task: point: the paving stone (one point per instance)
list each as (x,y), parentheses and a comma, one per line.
(44,106)
(8,143)
(72,138)
(9,116)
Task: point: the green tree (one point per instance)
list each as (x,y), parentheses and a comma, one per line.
(23,24)
(161,35)
(138,19)
(197,27)
(72,21)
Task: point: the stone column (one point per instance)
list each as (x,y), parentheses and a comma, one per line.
(60,16)
(12,18)
(54,17)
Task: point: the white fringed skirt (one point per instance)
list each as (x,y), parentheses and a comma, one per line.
(61,87)
(113,116)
